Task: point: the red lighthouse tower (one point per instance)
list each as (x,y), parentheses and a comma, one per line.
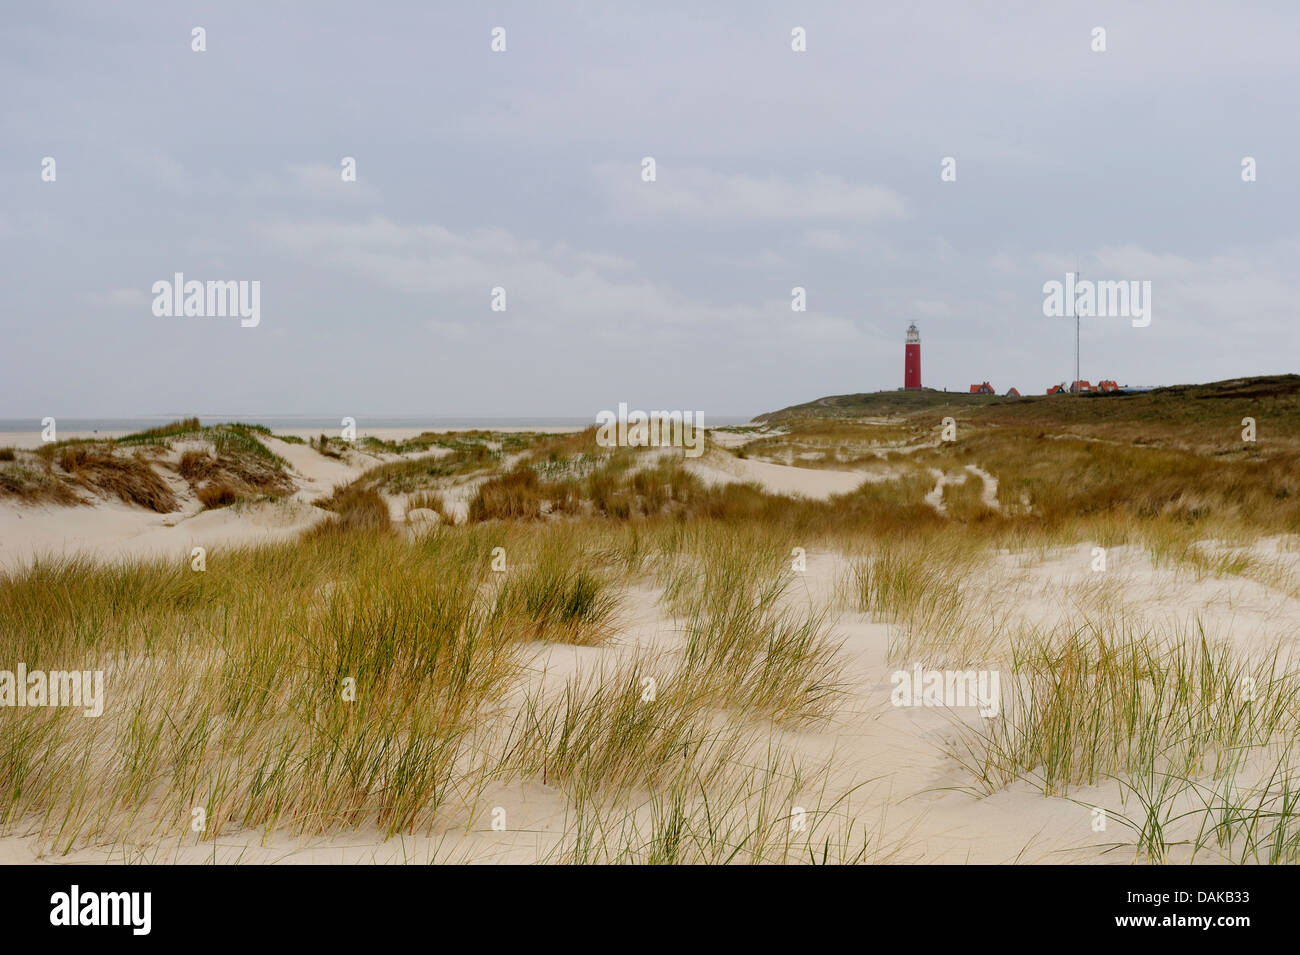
(912,358)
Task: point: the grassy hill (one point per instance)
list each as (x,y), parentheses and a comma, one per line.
(1188,415)
(876,403)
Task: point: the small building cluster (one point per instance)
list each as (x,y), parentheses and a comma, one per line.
(1104,387)
(987,389)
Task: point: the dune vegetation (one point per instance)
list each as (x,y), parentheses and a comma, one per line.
(220,464)
(682,668)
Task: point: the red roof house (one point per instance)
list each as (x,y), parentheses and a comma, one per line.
(1013,392)
(984,389)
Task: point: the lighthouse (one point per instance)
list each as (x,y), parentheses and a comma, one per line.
(912,358)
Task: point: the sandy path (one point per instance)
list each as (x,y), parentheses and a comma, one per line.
(989,495)
(942,480)
(818,483)
(734,439)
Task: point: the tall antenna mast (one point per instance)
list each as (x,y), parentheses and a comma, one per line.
(1076,321)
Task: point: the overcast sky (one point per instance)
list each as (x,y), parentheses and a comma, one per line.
(523,169)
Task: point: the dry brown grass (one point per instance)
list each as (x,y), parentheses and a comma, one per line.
(428,471)
(564,446)
(31,478)
(432,501)
(130,478)
(213,496)
(131,468)
(513,496)
(358,508)
(241,473)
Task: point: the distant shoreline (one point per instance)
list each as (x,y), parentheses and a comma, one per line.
(25,433)
(415,423)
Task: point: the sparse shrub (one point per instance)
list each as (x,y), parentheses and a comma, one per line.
(322,444)
(358,508)
(511,496)
(195,465)
(565,496)
(213,496)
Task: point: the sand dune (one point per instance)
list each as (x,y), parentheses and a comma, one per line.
(110,529)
